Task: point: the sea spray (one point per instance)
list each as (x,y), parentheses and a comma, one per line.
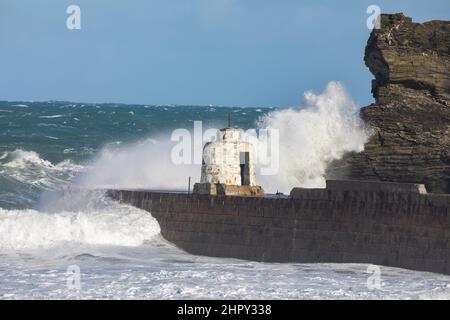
(144,164)
(311,136)
(323,129)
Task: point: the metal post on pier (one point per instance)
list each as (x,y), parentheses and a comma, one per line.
(189,185)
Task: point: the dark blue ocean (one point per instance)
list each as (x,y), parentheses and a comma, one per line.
(38,136)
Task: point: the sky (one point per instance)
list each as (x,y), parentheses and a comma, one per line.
(254,53)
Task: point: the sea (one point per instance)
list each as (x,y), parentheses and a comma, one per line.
(62,238)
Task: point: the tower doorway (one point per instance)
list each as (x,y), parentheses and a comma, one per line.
(244,158)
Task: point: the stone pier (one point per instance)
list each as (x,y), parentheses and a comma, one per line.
(400,228)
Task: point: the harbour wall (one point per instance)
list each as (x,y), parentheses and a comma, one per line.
(400,229)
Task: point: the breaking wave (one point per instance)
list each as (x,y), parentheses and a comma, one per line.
(63,212)
(24,175)
(30,229)
(312,136)
(30,167)
(77,216)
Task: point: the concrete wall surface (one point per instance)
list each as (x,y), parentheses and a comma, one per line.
(407,230)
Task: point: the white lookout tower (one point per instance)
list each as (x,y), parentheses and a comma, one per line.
(228,166)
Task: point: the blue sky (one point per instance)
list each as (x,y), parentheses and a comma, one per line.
(196,52)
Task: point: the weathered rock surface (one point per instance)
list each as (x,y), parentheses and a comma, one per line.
(410,121)
(403,54)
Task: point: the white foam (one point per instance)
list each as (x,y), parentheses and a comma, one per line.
(52,116)
(21,158)
(30,170)
(322,130)
(145,164)
(118,225)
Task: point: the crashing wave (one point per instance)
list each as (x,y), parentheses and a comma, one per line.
(312,136)
(77,216)
(24,175)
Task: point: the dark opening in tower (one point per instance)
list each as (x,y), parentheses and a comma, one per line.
(244,158)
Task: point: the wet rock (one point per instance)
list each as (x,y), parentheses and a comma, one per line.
(410,121)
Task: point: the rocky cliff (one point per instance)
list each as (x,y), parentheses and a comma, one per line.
(410,121)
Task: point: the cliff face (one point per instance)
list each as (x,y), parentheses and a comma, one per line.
(410,120)
(407,55)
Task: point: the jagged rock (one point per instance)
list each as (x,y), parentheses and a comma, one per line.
(410,121)
(403,54)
